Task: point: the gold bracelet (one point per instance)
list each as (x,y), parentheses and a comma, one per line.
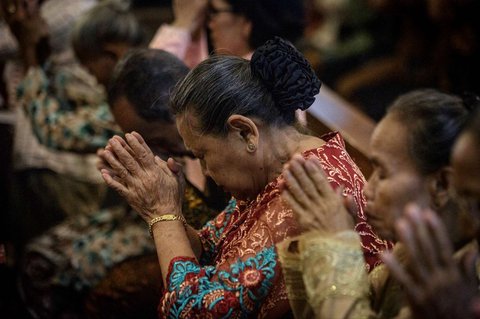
(166,217)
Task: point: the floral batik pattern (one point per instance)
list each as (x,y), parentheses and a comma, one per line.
(238,275)
(341,170)
(63,264)
(243,287)
(68,110)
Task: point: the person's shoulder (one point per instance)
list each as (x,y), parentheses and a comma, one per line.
(333,139)
(335,159)
(330,143)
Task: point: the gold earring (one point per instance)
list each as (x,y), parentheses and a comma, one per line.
(251,147)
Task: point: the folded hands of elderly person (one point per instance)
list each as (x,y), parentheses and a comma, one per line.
(312,199)
(435,284)
(151,186)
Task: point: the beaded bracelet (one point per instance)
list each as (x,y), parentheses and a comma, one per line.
(163,218)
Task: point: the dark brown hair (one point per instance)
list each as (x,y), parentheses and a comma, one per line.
(434,120)
(146,77)
(276,82)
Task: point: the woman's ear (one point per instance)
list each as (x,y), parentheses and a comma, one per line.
(245,129)
(440,187)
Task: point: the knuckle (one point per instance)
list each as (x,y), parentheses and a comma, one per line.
(122,174)
(130,165)
(143,155)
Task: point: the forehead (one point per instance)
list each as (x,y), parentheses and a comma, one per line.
(466,156)
(389,143)
(128,120)
(188,127)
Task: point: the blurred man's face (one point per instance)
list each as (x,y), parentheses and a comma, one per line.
(162,137)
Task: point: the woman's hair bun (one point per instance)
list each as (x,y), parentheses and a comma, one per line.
(287,74)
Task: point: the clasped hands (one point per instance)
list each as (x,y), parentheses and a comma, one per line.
(315,204)
(150,185)
(436,285)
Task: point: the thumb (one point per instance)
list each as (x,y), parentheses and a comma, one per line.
(177,169)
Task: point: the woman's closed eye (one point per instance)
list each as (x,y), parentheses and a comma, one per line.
(381,174)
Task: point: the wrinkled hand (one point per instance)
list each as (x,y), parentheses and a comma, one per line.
(102,164)
(190,15)
(151,186)
(435,285)
(312,199)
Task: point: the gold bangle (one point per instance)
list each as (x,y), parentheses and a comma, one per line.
(163,218)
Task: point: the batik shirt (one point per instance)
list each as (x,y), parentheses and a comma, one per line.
(238,275)
(67,108)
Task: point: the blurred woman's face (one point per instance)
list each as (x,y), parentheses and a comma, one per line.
(395,180)
(229,32)
(223,158)
(102,65)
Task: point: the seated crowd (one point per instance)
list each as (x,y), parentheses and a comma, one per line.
(176,178)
